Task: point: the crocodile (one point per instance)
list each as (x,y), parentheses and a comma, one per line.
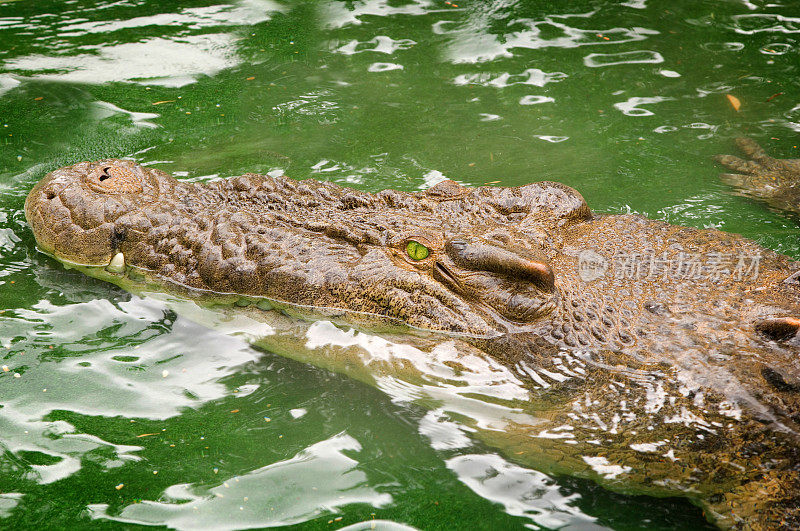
(656,359)
(759,176)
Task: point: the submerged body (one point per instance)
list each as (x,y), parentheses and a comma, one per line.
(659,359)
(774,181)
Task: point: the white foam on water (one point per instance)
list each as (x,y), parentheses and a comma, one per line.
(432,178)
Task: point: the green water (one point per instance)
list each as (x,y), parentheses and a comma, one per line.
(115,411)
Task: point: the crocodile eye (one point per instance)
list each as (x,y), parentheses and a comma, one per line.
(416,250)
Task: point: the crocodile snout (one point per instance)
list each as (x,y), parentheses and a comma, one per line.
(77,212)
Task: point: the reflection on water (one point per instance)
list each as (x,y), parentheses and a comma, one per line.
(100,359)
(622,58)
(179,62)
(521,491)
(318,481)
(7,502)
(173,61)
(623,100)
(472,43)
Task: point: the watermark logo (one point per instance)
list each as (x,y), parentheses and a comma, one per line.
(650,265)
(591,265)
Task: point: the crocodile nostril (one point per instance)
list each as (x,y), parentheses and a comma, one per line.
(779,328)
(531,269)
(776,380)
(116,179)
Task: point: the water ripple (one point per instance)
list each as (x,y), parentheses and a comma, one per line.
(521,491)
(340,14)
(157,61)
(248,12)
(631,107)
(185,51)
(8,501)
(531,76)
(595,60)
(533,100)
(384,67)
(765,23)
(379,44)
(319,480)
(472,44)
(118,360)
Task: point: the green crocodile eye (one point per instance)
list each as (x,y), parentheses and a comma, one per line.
(416,250)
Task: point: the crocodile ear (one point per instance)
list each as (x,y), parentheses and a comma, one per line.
(445,190)
(556,200)
(779,328)
(548,202)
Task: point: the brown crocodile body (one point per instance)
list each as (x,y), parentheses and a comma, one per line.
(774,181)
(667,352)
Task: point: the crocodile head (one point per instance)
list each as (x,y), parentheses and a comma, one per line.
(452,259)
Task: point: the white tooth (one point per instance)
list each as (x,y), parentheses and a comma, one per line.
(117,264)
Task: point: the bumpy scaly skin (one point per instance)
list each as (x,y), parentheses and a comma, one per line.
(312,243)
(774,181)
(672,340)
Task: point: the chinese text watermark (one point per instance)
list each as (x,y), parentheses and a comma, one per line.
(650,265)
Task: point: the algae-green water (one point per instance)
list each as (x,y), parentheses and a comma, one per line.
(117,413)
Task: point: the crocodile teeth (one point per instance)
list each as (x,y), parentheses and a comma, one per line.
(117,264)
